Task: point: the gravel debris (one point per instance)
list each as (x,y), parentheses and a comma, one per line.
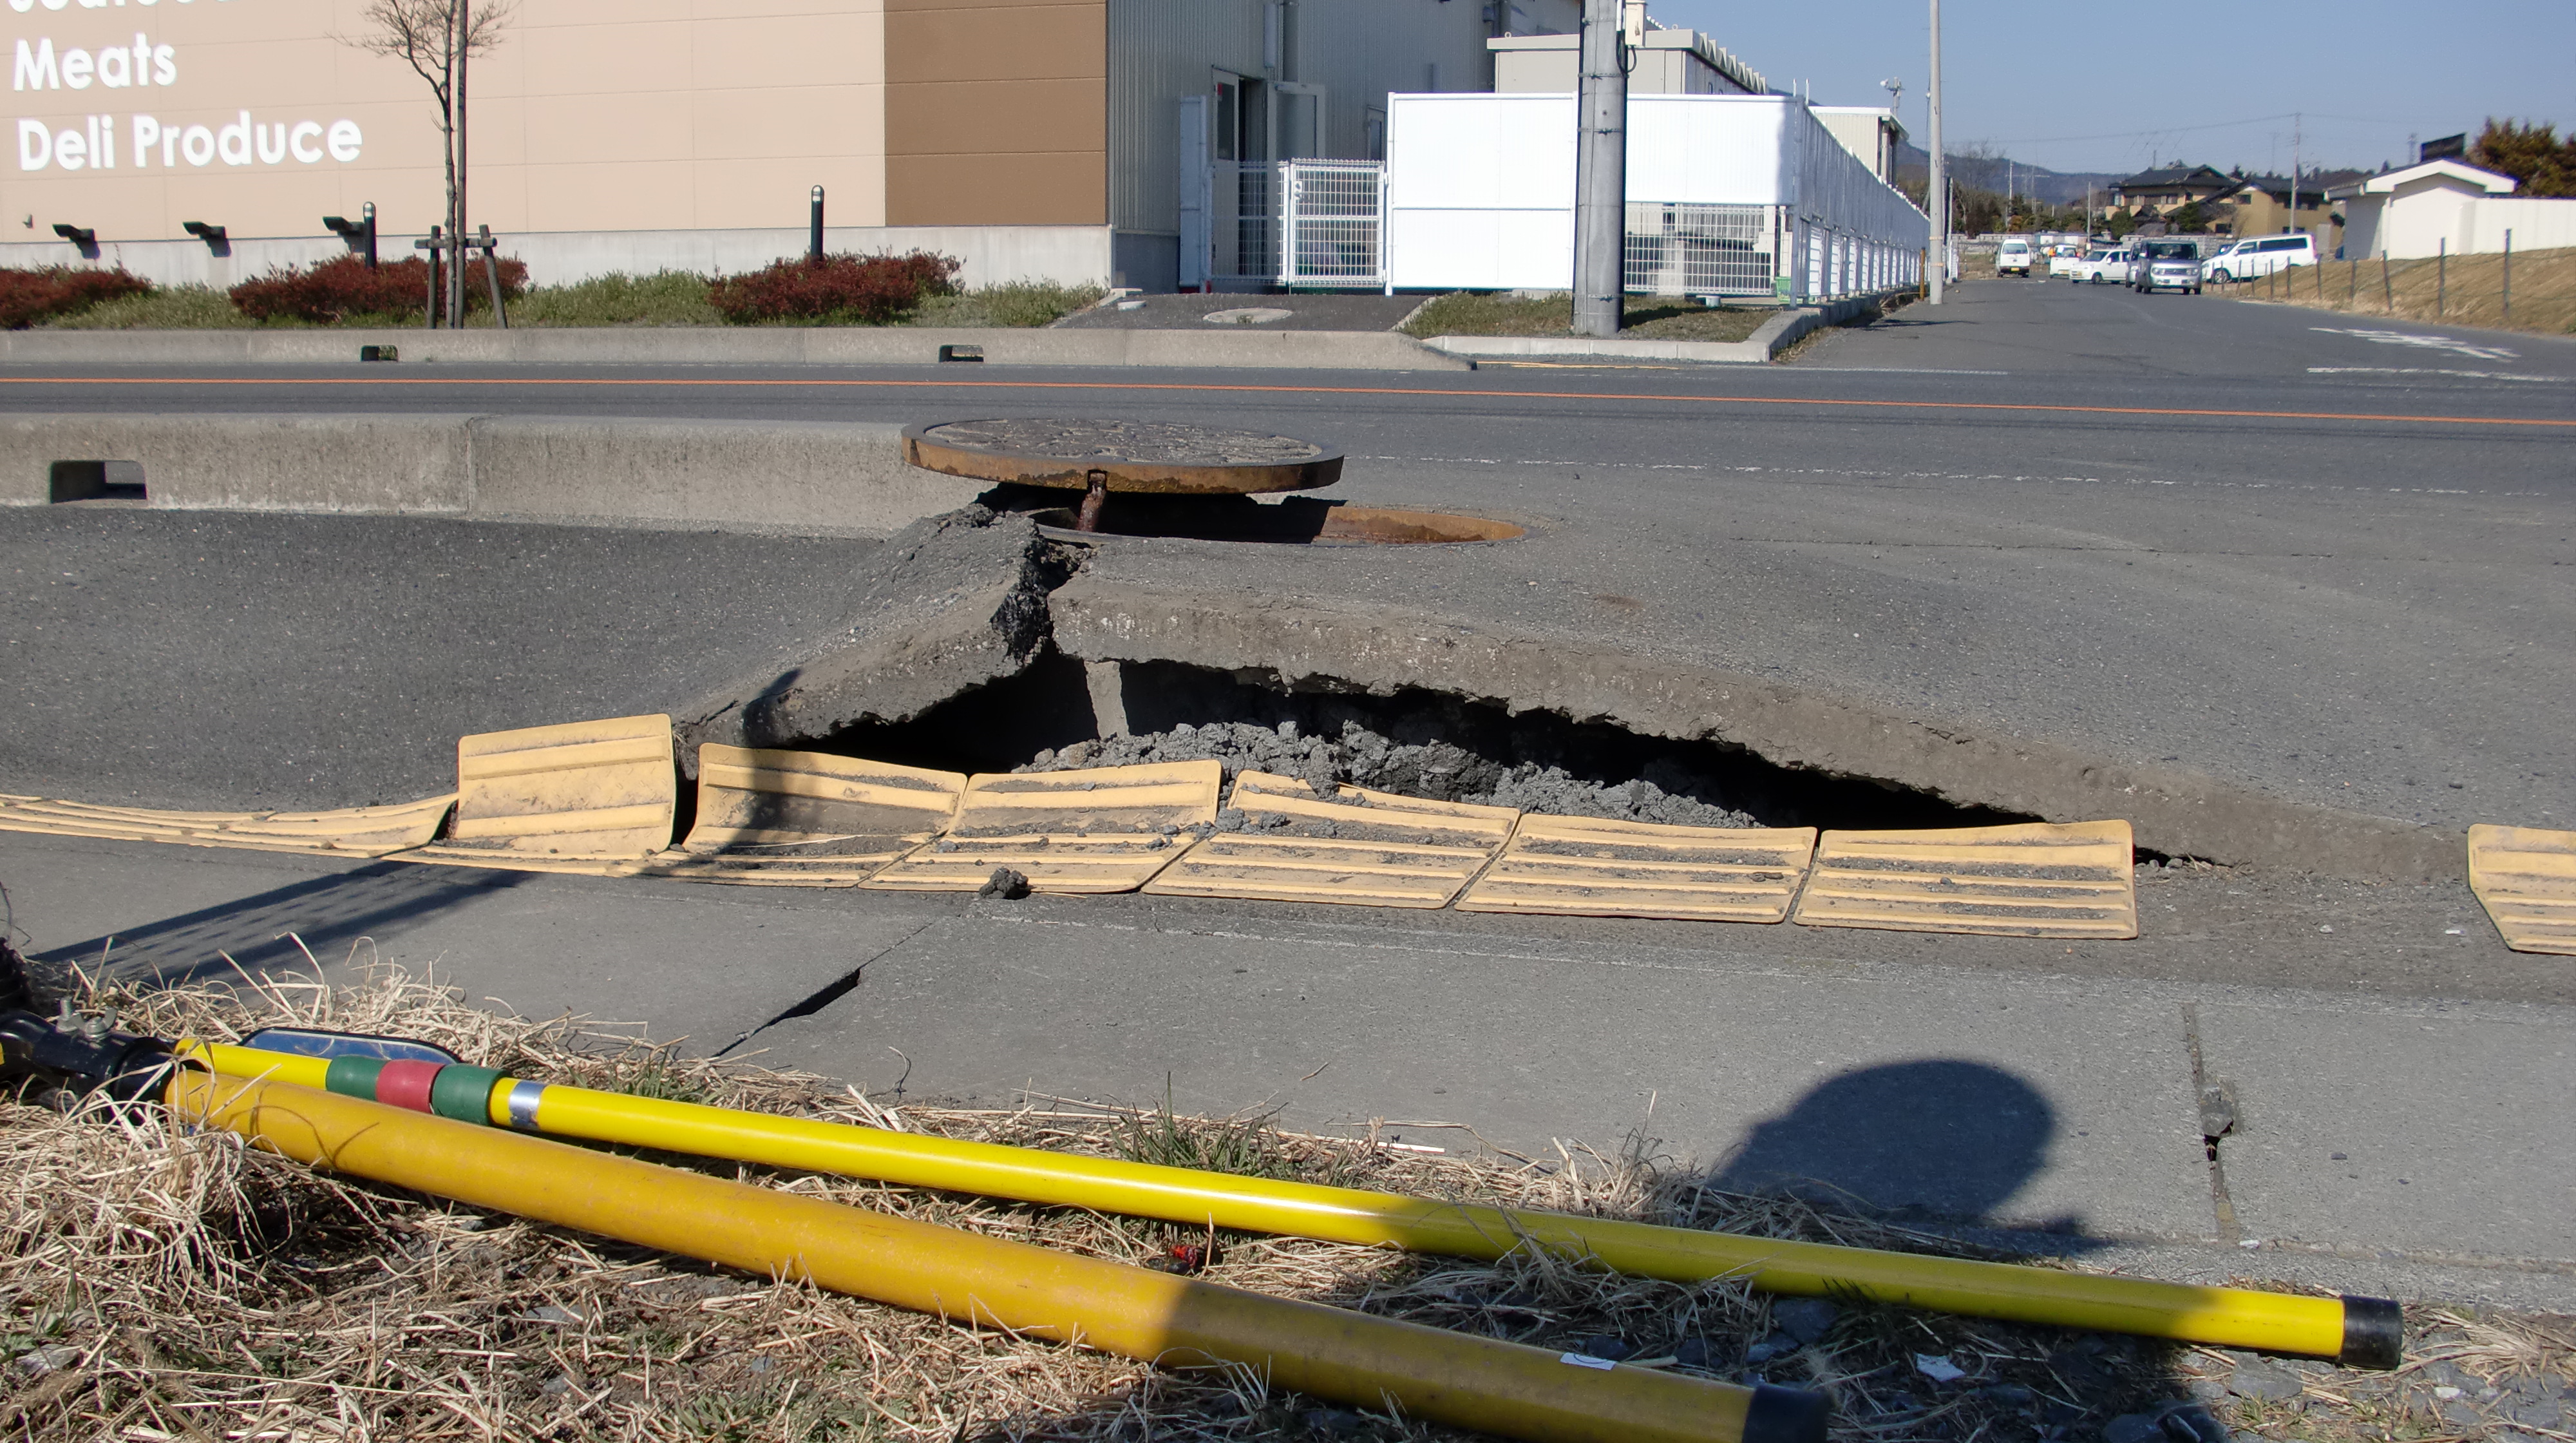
(1437,770)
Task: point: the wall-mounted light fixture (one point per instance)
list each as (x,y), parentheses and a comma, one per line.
(360,233)
(85,239)
(212,235)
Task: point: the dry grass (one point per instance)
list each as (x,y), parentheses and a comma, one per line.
(160,1284)
(2463,291)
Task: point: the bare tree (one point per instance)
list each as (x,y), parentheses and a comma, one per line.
(436,38)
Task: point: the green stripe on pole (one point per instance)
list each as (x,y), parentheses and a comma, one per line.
(354,1076)
(463,1093)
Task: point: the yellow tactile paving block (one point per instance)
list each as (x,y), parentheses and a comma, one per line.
(1357,847)
(1106,829)
(2526,878)
(1587,867)
(805,819)
(346,832)
(2034,880)
(594,796)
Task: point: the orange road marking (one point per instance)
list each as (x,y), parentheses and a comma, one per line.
(1205,386)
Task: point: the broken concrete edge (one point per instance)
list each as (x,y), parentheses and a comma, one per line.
(1303,644)
(1205,347)
(842,476)
(958,601)
(1776,334)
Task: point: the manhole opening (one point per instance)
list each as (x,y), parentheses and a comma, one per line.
(95,481)
(1291,521)
(1419,742)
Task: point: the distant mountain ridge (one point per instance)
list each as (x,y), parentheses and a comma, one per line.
(1914,163)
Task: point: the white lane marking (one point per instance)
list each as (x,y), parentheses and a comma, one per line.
(2427,371)
(1906,476)
(2430,343)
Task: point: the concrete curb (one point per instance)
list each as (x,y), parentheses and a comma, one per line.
(1772,337)
(2175,811)
(743,346)
(733,474)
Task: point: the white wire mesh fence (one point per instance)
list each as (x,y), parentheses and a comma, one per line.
(1699,250)
(1333,224)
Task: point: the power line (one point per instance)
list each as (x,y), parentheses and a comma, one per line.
(2183,129)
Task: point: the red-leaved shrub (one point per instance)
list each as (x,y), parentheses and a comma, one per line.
(869,290)
(343,286)
(27,297)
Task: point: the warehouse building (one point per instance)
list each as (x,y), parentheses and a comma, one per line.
(205,140)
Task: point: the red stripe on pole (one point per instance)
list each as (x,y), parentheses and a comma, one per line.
(406,1084)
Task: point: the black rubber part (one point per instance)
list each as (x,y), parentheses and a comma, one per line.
(1785,1415)
(2374,1333)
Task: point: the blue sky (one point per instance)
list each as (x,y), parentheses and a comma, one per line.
(2070,87)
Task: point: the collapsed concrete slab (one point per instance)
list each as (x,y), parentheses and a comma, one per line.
(1303,644)
(954,603)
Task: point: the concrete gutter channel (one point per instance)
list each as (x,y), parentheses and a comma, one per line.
(971,599)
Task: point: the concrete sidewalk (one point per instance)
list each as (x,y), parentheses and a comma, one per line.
(2386,1144)
(1205,347)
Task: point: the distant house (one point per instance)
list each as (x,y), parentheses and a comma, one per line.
(2164,191)
(2260,205)
(2444,205)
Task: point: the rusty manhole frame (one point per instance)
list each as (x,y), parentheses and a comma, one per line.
(1139,457)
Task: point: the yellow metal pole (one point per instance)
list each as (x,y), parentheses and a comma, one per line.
(1452,1378)
(2361,1331)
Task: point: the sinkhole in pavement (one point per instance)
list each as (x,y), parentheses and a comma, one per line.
(1062,713)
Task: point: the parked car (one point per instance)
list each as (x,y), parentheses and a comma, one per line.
(2096,266)
(2164,265)
(2062,260)
(2013,259)
(2259,256)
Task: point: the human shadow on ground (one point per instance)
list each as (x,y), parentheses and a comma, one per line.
(1925,1140)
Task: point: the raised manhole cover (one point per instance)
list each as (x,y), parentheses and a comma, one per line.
(1134,456)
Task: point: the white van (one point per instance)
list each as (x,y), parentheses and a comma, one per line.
(2258,256)
(2013,258)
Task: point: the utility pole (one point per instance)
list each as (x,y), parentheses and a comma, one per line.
(1601,170)
(2294,171)
(1936,196)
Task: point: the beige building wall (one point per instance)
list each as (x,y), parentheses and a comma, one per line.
(998,112)
(591,115)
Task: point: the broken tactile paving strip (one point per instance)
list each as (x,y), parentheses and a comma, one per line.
(2034,880)
(348,832)
(1108,829)
(2526,877)
(594,797)
(805,819)
(1588,867)
(1362,848)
